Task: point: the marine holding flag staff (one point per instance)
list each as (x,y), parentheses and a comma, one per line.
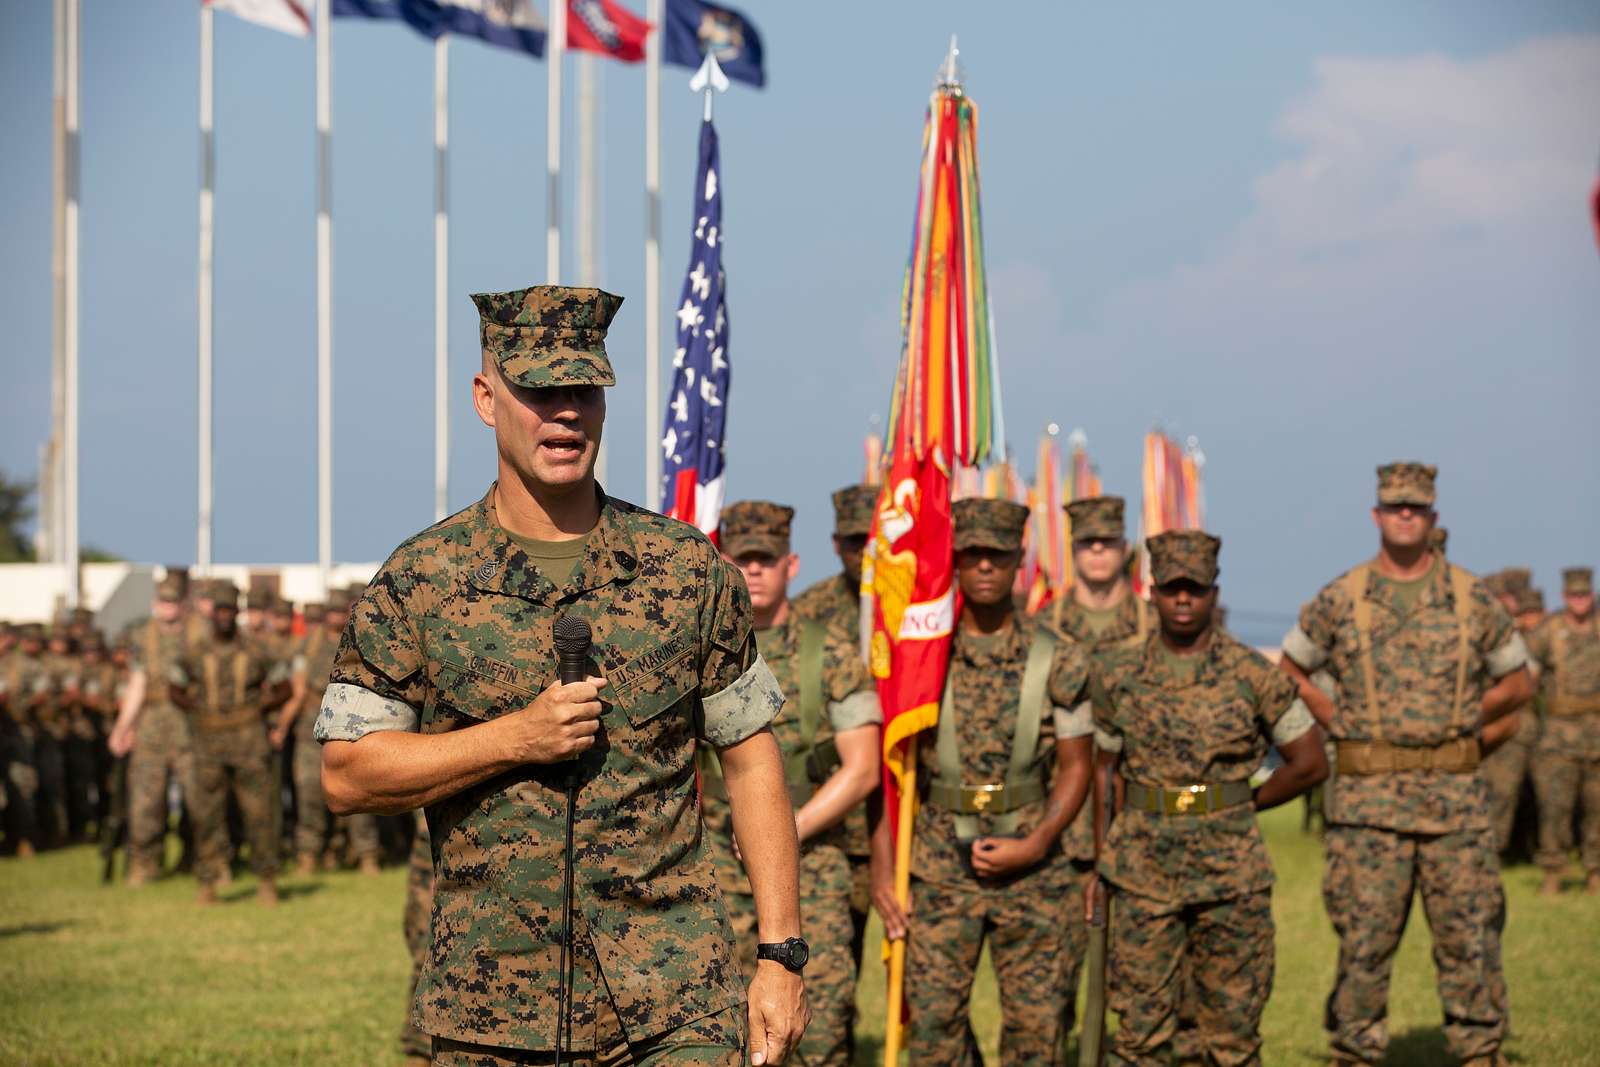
(444,696)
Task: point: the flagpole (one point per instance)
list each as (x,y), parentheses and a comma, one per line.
(202,556)
(50,483)
(557,48)
(323,29)
(441,277)
(586,196)
(652,255)
(74,22)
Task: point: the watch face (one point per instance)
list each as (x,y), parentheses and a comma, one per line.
(799,952)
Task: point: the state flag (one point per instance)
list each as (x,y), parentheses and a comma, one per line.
(285,16)
(694,29)
(607,28)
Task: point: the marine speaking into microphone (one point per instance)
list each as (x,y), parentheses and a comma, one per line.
(447,695)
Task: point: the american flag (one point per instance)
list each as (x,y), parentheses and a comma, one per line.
(697,407)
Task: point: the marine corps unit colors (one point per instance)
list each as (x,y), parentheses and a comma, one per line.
(628,868)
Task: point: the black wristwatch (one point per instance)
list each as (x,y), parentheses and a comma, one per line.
(792,953)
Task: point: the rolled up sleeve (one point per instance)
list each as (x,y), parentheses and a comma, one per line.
(1508,657)
(350,712)
(1074,722)
(1293,724)
(1298,646)
(744,708)
(860,708)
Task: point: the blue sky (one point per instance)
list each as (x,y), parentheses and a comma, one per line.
(1317,237)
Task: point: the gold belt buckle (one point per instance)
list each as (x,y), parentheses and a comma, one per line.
(1187,797)
(984,796)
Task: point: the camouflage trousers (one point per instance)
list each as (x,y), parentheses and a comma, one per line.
(1503,772)
(1562,783)
(716,1040)
(162,752)
(1371,876)
(416,921)
(1215,959)
(831,972)
(1024,923)
(21,784)
(313,823)
(236,761)
(1075,942)
(50,760)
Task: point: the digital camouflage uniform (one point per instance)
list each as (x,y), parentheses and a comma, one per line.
(88,756)
(53,717)
(846,699)
(1191,925)
(1022,916)
(1506,768)
(1091,518)
(231,683)
(414,922)
(163,747)
(1423,829)
(312,818)
(1566,764)
(836,603)
(24,685)
(456,629)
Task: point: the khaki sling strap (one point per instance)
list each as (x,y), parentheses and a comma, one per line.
(800,767)
(1023,784)
(1355,584)
(1564,704)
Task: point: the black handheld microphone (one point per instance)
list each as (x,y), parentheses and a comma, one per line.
(573,639)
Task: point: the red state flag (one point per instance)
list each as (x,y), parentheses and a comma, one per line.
(606,27)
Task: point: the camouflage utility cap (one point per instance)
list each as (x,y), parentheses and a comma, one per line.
(1439,539)
(756,527)
(355,591)
(338,600)
(985,523)
(313,610)
(1509,581)
(280,606)
(1407,483)
(31,631)
(174,585)
(852,510)
(1188,554)
(1529,601)
(1577,581)
(222,593)
(548,335)
(1097,518)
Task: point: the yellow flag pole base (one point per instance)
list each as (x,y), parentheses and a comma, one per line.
(893,1031)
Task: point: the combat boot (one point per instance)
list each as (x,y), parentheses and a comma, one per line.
(1592,884)
(1552,884)
(305,864)
(267,893)
(369,865)
(207,895)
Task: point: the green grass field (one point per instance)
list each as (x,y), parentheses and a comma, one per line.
(97,975)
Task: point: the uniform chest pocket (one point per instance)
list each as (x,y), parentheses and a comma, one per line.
(478,686)
(1229,730)
(653,680)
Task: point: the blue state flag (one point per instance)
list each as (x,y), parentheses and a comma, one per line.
(694,28)
(513,24)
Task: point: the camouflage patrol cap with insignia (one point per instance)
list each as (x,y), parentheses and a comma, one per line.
(1577,581)
(173,586)
(548,335)
(756,526)
(1407,483)
(1190,554)
(981,522)
(852,510)
(1097,518)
